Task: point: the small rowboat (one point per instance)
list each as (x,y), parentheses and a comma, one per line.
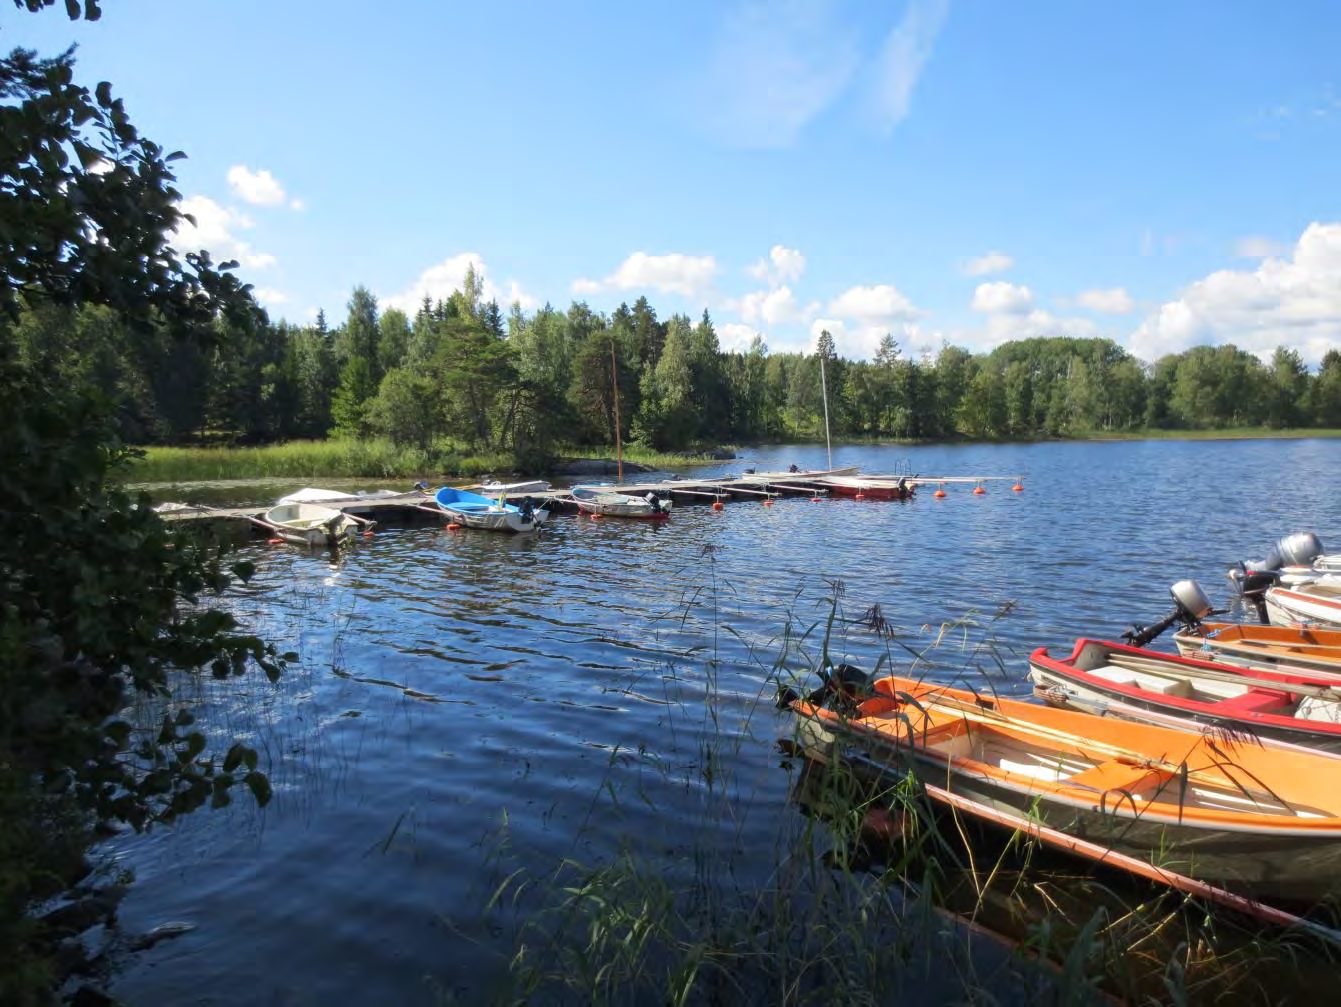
(1273,704)
(609,503)
(1260,820)
(1299,649)
(493,488)
(310,524)
(870,488)
(1317,601)
(476,511)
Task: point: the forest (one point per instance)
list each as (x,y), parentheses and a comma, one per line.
(524,386)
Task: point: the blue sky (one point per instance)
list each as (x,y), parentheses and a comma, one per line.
(962,171)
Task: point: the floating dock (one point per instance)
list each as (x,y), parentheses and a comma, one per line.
(416,507)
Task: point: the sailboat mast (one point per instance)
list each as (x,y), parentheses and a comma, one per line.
(824,389)
(614,382)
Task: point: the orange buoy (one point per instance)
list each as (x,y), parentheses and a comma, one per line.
(453,526)
(596,517)
(940,493)
(860,496)
(816,499)
(1019,486)
(768,503)
(978,491)
(717,505)
(368,534)
(274,541)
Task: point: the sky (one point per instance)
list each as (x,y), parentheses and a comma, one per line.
(959,172)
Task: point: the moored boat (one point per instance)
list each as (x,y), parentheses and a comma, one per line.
(896,488)
(610,503)
(1317,601)
(476,511)
(1260,820)
(799,475)
(492,488)
(310,523)
(1298,648)
(1274,704)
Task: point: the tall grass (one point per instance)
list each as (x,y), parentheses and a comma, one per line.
(872,894)
(367,459)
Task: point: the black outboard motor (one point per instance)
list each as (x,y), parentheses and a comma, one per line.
(526,510)
(1252,577)
(1190,606)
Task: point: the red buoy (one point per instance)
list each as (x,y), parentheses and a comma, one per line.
(978,491)
(274,541)
(860,496)
(1018,487)
(768,502)
(717,505)
(453,526)
(596,517)
(939,494)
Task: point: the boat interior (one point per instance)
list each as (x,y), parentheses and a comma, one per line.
(1049,761)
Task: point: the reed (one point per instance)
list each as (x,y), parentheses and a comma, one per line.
(368,459)
(870,894)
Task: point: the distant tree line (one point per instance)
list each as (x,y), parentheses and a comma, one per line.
(460,369)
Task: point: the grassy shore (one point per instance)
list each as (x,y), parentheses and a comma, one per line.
(370,459)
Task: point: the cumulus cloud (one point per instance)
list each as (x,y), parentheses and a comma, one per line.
(878,303)
(1113,301)
(774,307)
(439,282)
(735,337)
(688,275)
(902,58)
(782,265)
(1032,323)
(1294,302)
(268,295)
(1000,297)
(260,188)
(992,262)
(215,230)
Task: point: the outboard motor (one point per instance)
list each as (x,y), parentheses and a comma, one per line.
(1299,549)
(1190,606)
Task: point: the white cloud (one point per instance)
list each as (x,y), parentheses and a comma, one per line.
(733,336)
(1294,302)
(902,58)
(1112,301)
(439,282)
(1000,297)
(783,264)
(1031,323)
(1257,248)
(688,275)
(774,307)
(879,303)
(861,341)
(772,68)
(992,262)
(214,230)
(270,296)
(257,187)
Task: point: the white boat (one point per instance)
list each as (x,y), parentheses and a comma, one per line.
(493,487)
(476,511)
(314,494)
(1317,602)
(805,475)
(310,523)
(596,500)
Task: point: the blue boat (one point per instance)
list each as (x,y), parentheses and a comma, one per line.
(476,511)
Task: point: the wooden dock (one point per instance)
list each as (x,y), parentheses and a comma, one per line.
(419,508)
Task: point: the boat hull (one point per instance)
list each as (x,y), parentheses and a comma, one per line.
(311,524)
(1111,782)
(620,505)
(1303,603)
(475,511)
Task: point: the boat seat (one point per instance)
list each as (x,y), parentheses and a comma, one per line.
(1179,688)
(1254,701)
(1116,774)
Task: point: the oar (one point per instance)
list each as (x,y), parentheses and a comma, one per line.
(1104,854)
(1132,662)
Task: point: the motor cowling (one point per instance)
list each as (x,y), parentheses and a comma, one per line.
(1299,549)
(1191,601)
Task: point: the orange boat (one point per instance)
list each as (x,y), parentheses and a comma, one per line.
(1259,819)
(1276,648)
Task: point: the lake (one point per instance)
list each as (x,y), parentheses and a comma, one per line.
(469,705)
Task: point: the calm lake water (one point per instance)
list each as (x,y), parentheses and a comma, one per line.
(468,704)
